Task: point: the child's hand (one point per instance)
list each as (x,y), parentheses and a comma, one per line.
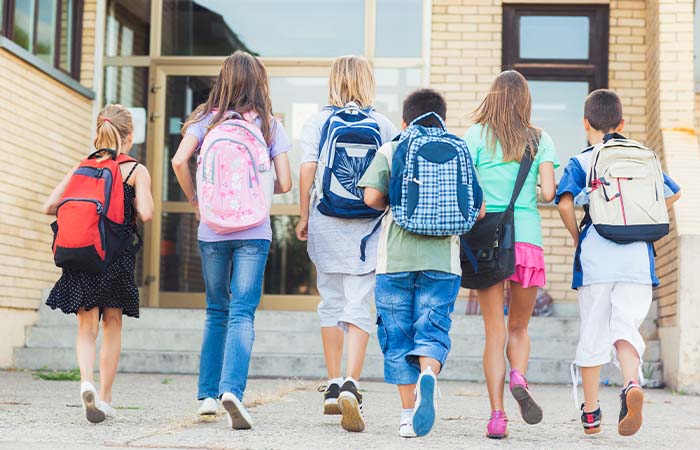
(302,229)
(195,205)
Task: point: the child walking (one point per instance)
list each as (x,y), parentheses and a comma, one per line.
(418,276)
(111,292)
(498,141)
(614,280)
(345,281)
(237,112)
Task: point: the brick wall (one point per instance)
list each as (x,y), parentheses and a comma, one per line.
(39,146)
(87,63)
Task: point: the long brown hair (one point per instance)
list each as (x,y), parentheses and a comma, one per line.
(505,115)
(242,86)
(114,125)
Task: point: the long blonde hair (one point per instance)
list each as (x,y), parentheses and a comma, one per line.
(351,80)
(114,125)
(505,115)
(242,86)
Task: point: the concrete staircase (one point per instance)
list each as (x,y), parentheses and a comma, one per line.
(288,345)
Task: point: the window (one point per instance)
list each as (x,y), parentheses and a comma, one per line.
(563,52)
(272,28)
(128,27)
(49,29)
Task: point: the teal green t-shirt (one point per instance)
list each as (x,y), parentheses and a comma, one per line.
(497,179)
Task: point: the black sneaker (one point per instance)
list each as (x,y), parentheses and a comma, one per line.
(591,420)
(631,403)
(350,404)
(330,399)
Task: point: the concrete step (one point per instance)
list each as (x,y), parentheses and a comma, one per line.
(193,319)
(189,340)
(295,365)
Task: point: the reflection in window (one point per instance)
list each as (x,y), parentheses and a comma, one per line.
(399,28)
(65,44)
(303,28)
(46,30)
(289,269)
(180,263)
(554,37)
(557,108)
(183,95)
(128,27)
(23,32)
(393,85)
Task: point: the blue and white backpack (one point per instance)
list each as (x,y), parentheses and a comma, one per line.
(433,188)
(349,141)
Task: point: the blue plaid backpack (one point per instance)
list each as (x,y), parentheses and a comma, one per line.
(433,188)
(350,139)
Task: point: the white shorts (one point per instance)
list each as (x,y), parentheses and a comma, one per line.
(346,299)
(610,312)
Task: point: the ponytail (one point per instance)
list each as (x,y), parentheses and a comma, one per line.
(114,125)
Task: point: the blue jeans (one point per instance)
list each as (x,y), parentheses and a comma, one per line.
(233,277)
(413,320)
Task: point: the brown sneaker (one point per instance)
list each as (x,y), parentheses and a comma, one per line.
(631,403)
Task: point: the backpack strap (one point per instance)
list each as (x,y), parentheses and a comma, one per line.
(523,172)
(96,154)
(425,116)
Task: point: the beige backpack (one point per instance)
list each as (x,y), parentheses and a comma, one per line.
(626,191)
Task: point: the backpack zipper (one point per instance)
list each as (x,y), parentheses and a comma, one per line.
(100,211)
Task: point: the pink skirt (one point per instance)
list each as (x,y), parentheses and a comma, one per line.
(529,265)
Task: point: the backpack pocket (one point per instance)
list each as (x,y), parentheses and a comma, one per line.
(79,243)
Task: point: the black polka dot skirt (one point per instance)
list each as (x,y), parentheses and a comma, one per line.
(113,288)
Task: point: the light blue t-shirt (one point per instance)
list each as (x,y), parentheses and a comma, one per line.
(280,144)
(599,260)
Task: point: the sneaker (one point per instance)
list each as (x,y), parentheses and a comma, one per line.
(632,400)
(110,413)
(330,399)
(497,427)
(406,430)
(531,411)
(209,407)
(350,405)
(591,420)
(424,414)
(88,394)
(237,417)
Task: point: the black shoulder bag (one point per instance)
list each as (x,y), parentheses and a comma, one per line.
(488,249)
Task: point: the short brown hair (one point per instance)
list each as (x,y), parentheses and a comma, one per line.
(423,101)
(603,110)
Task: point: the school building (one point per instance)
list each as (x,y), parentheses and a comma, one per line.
(61,60)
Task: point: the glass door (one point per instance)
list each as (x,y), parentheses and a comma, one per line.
(172,255)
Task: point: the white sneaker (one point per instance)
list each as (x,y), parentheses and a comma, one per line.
(88,394)
(209,407)
(237,417)
(106,408)
(406,430)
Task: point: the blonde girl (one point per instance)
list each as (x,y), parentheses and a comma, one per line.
(498,141)
(233,264)
(113,293)
(345,282)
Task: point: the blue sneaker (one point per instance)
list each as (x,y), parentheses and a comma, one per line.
(424,414)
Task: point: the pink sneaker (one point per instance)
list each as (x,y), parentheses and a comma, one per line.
(498,425)
(531,411)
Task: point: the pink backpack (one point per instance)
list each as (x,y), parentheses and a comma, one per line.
(234,176)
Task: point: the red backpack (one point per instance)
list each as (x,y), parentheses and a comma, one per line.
(89,231)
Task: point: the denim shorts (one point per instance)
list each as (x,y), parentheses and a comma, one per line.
(413,320)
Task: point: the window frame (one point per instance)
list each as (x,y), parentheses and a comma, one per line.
(594,69)
(7,30)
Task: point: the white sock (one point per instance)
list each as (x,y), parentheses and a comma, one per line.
(406,415)
(357,385)
(338,381)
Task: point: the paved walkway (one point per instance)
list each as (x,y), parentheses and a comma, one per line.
(158,411)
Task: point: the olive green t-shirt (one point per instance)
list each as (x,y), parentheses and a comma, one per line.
(399,250)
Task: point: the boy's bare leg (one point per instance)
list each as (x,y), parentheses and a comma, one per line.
(491,304)
(591,383)
(407,392)
(332,338)
(629,361)
(357,347)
